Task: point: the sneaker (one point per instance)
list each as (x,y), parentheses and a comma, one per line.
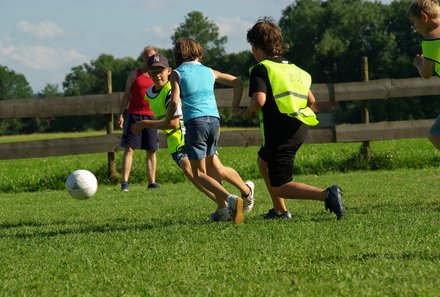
(220,216)
(153,186)
(236,206)
(124,186)
(249,199)
(333,202)
(273,215)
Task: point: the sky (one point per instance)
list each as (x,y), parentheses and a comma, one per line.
(44,39)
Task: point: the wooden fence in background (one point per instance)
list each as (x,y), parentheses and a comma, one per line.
(384,89)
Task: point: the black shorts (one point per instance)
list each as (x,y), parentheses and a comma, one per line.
(280,158)
(146,140)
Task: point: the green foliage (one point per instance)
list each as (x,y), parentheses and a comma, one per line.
(200,28)
(160,243)
(50,173)
(13,85)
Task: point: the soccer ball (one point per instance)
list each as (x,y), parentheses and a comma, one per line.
(81,184)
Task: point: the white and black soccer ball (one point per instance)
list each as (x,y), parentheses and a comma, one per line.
(81,184)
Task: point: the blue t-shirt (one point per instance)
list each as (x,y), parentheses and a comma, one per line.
(196,90)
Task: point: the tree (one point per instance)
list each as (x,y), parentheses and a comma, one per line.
(91,78)
(13,85)
(200,28)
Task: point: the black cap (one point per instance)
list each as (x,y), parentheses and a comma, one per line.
(157,61)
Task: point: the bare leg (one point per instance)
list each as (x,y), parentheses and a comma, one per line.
(278,202)
(127,160)
(228,174)
(199,172)
(151,167)
(186,168)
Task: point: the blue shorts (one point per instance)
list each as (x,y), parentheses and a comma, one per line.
(146,140)
(179,155)
(435,128)
(201,137)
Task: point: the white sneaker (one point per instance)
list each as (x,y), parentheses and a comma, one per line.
(249,199)
(236,205)
(220,215)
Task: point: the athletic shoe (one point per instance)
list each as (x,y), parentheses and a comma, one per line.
(153,186)
(333,202)
(273,215)
(236,206)
(220,216)
(124,186)
(249,199)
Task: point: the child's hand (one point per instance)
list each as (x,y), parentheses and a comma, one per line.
(237,111)
(136,128)
(418,61)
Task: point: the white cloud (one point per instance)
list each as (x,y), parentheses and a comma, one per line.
(45,29)
(160,36)
(40,57)
(232,26)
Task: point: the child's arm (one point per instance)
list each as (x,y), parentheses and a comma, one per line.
(257,101)
(234,82)
(311,99)
(157,124)
(424,66)
(175,97)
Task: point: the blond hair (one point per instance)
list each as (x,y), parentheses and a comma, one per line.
(430,7)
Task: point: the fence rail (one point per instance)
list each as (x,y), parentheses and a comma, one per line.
(384,89)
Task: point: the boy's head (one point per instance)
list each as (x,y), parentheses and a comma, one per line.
(148,51)
(266,36)
(159,70)
(429,7)
(421,13)
(187,49)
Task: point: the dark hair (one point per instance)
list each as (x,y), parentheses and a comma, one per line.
(187,49)
(267,36)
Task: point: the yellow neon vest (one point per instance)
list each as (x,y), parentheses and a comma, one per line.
(290,87)
(158,106)
(431,51)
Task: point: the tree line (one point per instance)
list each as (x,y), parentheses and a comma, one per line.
(326,38)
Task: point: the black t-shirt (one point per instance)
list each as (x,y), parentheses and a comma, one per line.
(279,129)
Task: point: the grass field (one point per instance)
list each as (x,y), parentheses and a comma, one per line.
(160,243)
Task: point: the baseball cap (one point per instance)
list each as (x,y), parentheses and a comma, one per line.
(157,61)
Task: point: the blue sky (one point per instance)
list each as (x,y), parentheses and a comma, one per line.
(43,39)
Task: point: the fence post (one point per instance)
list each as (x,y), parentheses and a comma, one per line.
(365,149)
(111,165)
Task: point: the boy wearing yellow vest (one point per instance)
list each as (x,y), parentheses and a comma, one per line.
(280,94)
(159,97)
(425,15)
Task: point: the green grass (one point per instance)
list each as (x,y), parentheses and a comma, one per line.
(159,243)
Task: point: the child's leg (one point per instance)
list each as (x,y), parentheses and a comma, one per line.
(228,174)
(435,140)
(295,190)
(278,203)
(186,168)
(200,176)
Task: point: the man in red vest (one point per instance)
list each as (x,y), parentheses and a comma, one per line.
(138,82)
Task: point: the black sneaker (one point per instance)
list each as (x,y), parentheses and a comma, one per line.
(273,215)
(333,202)
(124,186)
(153,186)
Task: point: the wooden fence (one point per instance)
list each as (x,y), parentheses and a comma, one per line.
(385,89)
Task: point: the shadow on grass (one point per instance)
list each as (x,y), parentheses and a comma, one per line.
(66,228)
